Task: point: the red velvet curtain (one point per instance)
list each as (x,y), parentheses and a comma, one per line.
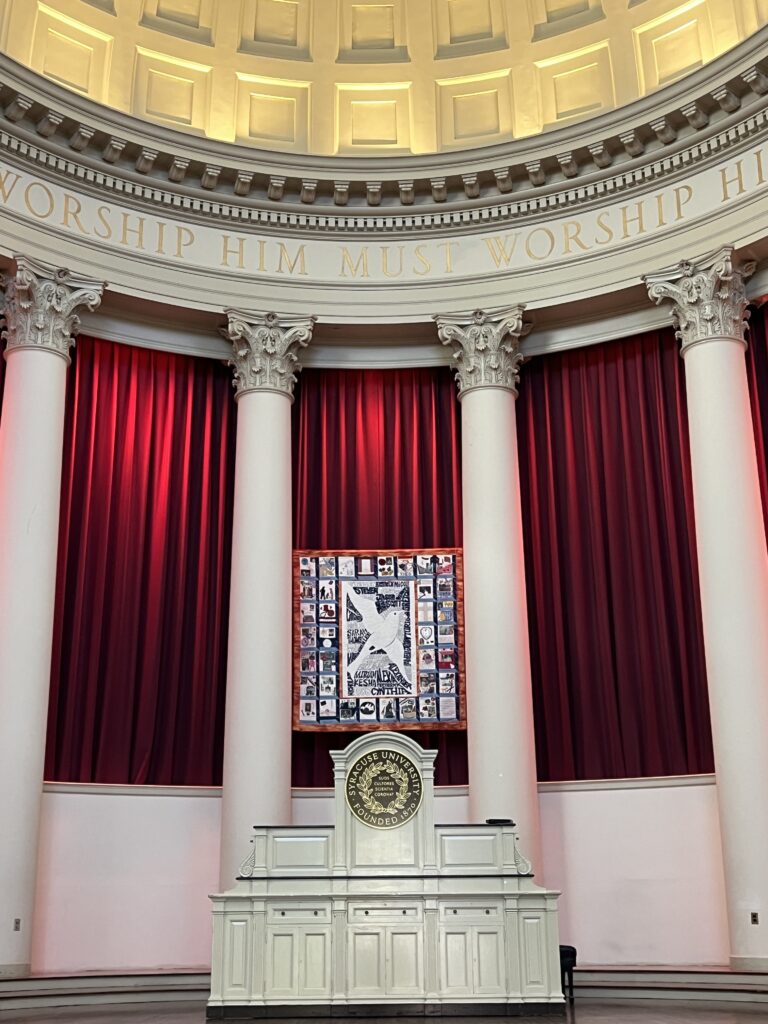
(616,639)
(139,655)
(757,376)
(377,465)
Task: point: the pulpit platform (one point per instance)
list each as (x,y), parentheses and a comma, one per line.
(384,913)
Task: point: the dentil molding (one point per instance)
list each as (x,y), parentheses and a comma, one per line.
(620,150)
(576,214)
(41,306)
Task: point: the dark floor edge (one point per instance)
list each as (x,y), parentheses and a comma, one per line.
(346,1010)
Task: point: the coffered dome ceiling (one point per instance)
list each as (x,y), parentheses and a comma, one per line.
(365,78)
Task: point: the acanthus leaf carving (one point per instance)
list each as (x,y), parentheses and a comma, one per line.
(266,347)
(41,306)
(486,347)
(708,296)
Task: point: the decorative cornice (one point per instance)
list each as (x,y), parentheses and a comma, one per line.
(486,347)
(709,297)
(266,348)
(41,304)
(636,145)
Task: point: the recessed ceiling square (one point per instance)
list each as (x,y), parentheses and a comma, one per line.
(374,122)
(476,114)
(272,117)
(185,12)
(578,90)
(170,96)
(277,21)
(67,60)
(469,20)
(373,27)
(677,51)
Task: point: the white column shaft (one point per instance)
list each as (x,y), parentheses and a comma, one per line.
(31,431)
(257,737)
(502,762)
(733,568)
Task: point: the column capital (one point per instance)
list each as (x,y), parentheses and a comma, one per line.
(41,304)
(708,297)
(486,347)
(265,350)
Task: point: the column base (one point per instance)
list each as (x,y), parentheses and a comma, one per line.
(749,963)
(14,970)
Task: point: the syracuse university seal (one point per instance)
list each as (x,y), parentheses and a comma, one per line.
(384,788)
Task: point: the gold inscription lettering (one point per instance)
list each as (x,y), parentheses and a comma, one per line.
(227,250)
(361,266)
(423,261)
(760,171)
(448,255)
(106,228)
(6,190)
(660,221)
(529,244)
(637,218)
(572,235)
(683,195)
(734,179)
(184,238)
(385,261)
(160,247)
(604,226)
(497,247)
(41,214)
(291,263)
(72,210)
(128,230)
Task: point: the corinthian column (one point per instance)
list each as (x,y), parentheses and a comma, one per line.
(40,326)
(257,730)
(709,313)
(502,762)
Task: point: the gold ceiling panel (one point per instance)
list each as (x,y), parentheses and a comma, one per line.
(366,77)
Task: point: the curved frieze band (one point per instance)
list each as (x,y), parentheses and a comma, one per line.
(161,165)
(63,187)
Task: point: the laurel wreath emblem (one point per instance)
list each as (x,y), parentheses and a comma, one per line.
(365,788)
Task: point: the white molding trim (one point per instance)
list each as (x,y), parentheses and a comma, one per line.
(652,782)
(247,175)
(207,243)
(326,792)
(199,335)
(108,789)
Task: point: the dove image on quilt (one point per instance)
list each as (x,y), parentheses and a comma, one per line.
(377,642)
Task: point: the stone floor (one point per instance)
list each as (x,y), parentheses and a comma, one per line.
(634,1012)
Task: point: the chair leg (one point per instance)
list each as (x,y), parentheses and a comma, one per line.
(570,984)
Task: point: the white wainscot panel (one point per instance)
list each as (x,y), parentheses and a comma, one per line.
(296,852)
(533,949)
(488,961)
(315,963)
(465,849)
(405,974)
(237,956)
(282,963)
(366,961)
(456,961)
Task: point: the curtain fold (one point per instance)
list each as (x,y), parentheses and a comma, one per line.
(377,465)
(613,598)
(139,653)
